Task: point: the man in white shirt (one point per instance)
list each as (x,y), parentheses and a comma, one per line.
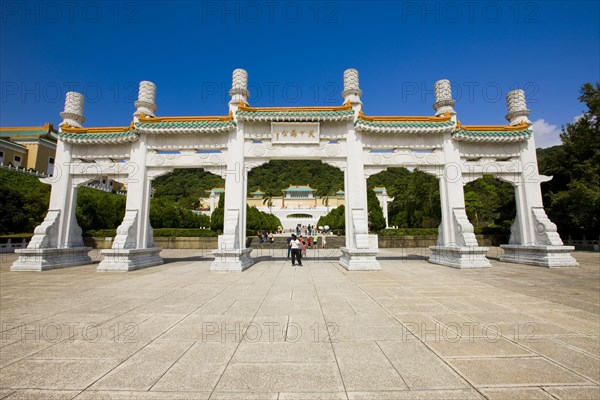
(296,247)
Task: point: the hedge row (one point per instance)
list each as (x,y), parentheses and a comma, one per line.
(158,232)
(409,232)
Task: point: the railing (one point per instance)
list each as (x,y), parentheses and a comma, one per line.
(584,244)
(23,170)
(95,186)
(9,246)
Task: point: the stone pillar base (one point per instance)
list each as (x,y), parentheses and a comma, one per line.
(44,259)
(122,260)
(359,259)
(459,257)
(232,260)
(543,256)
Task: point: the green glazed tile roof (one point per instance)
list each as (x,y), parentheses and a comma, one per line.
(100,135)
(408,124)
(299,189)
(524,132)
(9,143)
(296,114)
(184,124)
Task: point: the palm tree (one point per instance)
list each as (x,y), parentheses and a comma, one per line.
(325,201)
(268,200)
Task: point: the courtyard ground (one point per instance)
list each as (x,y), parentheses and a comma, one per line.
(411,331)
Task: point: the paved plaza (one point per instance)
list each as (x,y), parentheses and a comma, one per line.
(411,331)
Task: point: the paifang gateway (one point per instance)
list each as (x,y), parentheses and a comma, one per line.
(342,136)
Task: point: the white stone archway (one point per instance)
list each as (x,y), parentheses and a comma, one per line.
(248,136)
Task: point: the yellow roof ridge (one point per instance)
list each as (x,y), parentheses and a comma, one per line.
(71,129)
(493,128)
(225,118)
(346,106)
(400,118)
(46,126)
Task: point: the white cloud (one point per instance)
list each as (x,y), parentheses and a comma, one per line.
(577,118)
(545,134)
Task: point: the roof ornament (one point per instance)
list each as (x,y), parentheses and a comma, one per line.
(239,88)
(517,108)
(73,113)
(146,102)
(352,90)
(444,103)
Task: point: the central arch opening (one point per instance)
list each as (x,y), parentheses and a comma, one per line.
(298,192)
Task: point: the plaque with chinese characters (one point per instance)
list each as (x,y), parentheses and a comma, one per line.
(294,132)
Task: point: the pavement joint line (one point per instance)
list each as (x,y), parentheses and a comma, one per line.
(70,338)
(430,349)
(244,333)
(166,330)
(393,366)
(171,366)
(312,278)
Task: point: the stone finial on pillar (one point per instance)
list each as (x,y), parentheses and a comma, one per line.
(239,88)
(351,91)
(517,107)
(73,113)
(444,103)
(146,102)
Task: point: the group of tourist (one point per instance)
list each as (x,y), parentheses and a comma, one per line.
(264,237)
(297,245)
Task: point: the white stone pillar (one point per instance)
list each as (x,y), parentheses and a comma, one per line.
(57,241)
(133,246)
(232,253)
(385,199)
(361,248)
(456,245)
(146,102)
(212,201)
(534,238)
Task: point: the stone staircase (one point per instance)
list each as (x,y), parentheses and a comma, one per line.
(280,242)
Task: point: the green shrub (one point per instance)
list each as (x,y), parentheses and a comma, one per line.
(409,232)
(159,232)
(100,233)
(182,232)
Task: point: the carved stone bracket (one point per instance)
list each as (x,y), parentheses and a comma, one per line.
(545,230)
(153,173)
(45,235)
(463,229)
(126,237)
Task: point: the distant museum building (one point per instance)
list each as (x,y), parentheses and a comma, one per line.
(298,204)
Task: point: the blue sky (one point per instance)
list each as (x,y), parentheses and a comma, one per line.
(295,53)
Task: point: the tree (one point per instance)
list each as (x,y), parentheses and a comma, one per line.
(573,196)
(376,218)
(24,202)
(268,200)
(490,202)
(416,201)
(218,215)
(335,219)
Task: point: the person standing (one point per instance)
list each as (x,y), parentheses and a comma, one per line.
(296,247)
(289,243)
(303,243)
